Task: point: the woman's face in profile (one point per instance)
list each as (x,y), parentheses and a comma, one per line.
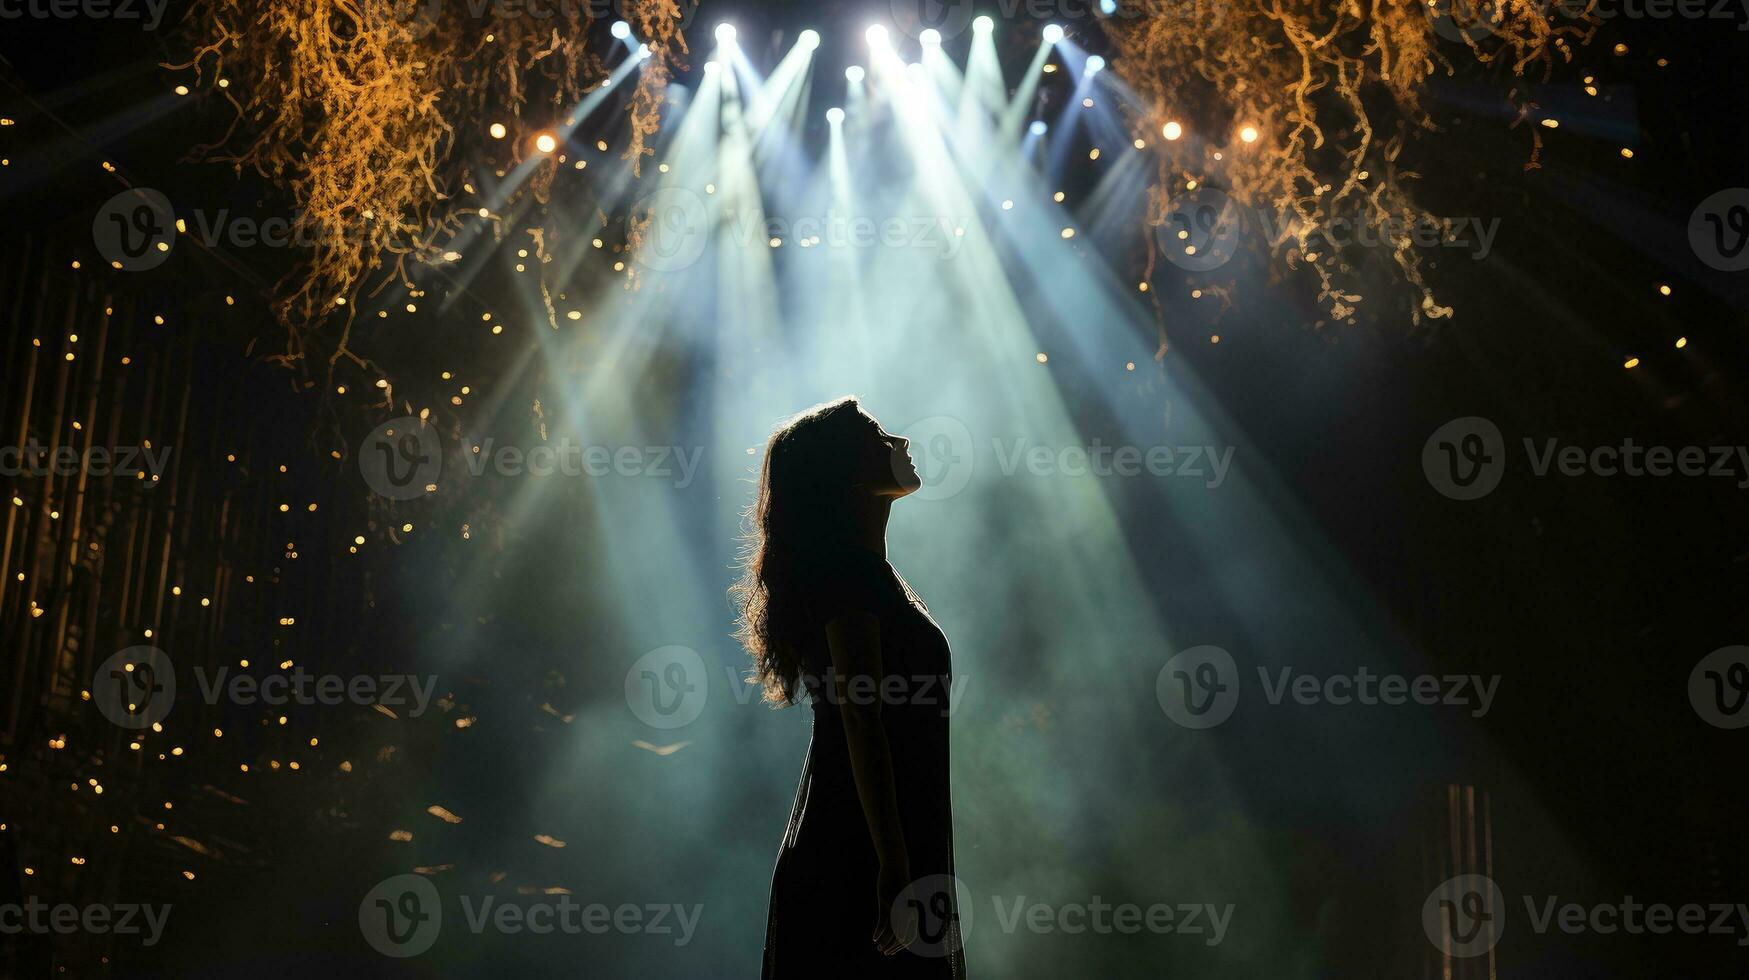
(888,468)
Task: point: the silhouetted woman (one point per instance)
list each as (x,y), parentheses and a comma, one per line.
(826,618)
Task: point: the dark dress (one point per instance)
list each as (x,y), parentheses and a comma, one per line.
(823,893)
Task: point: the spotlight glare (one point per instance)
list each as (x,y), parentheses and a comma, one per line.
(1053,33)
(1172,130)
(982,24)
(930,36)
(621,29)
(1037,128)
(877,36)
(853,73)
(834,115)
(497,130)
(1248,134)
(546,143)
(725,33)
(711,67)
(643,52)
(1108,7)
(1095,64)
(808,39)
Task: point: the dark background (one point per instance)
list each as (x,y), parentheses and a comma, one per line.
(1592,598)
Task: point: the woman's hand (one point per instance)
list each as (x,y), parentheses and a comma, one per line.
(895,915)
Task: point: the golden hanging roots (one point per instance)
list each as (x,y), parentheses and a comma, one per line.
(1333,90)
(371,113)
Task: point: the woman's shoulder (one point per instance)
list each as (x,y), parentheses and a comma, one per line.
(844,578)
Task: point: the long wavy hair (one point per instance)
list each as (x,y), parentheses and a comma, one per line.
(801,512)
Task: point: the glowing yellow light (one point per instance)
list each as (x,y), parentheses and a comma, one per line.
(1041,357)
(1626,153)
(546,143)
(1068,233)
(1663,289)
(497,130)
(1631,363)
(1681,342)
(1248,134)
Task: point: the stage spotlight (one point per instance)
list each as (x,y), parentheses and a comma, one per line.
(930,36)
(546,143)
(1095,64)
(809,39)
(725,33)
(643,52)
(834,115)
(1037,128)
(877,36)
(1172,130)
(711,67)
(1108,7)
(1053,33)
(1248,134)
(497,130)
(621,29)
(982,24)
(853,73)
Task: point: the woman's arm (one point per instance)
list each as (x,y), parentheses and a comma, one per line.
(855,642)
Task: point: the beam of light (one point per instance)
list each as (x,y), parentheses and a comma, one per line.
(779,100)
(1008,131)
